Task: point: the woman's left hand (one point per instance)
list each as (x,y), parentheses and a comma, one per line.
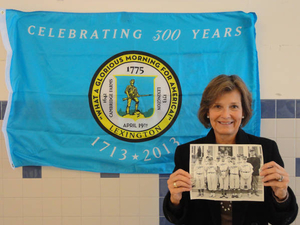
(276,177)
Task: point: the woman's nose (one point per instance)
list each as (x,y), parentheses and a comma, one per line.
(225,113)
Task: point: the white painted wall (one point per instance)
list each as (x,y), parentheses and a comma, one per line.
(278,32)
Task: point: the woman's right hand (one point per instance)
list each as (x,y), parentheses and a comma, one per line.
(178,182)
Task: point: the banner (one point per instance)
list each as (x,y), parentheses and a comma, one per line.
(117,92)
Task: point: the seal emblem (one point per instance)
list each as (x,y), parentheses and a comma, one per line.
(135,96)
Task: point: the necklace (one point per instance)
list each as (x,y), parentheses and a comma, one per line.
(226,205)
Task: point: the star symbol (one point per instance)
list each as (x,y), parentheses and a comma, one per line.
(135,157)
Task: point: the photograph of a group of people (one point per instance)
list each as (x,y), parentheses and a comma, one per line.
(226,172)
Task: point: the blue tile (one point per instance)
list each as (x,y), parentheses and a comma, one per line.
(164,221)
(164,176)
(163,187)
(297,108)
(286,109)
(297,167)
(32,172)
(161,201)
(268,108)
(2,109)
(109,175)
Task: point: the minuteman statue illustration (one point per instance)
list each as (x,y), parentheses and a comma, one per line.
(132,94)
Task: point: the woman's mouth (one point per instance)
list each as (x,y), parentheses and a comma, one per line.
(225,123)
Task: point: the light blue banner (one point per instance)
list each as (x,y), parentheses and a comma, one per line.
(117,92)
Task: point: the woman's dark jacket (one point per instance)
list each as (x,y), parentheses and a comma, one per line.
(205,212)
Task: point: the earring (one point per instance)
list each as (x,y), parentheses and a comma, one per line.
(207,117)
(243,117)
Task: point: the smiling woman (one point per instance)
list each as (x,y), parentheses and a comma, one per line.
(221,85)
(225,116)
(226,108)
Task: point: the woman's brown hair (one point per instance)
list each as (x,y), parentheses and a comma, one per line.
(219,85)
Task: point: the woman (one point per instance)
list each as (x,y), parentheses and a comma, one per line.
(226,107)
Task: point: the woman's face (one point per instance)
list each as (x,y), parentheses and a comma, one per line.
(225,116)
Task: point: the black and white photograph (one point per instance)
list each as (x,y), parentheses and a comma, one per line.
(226,172)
